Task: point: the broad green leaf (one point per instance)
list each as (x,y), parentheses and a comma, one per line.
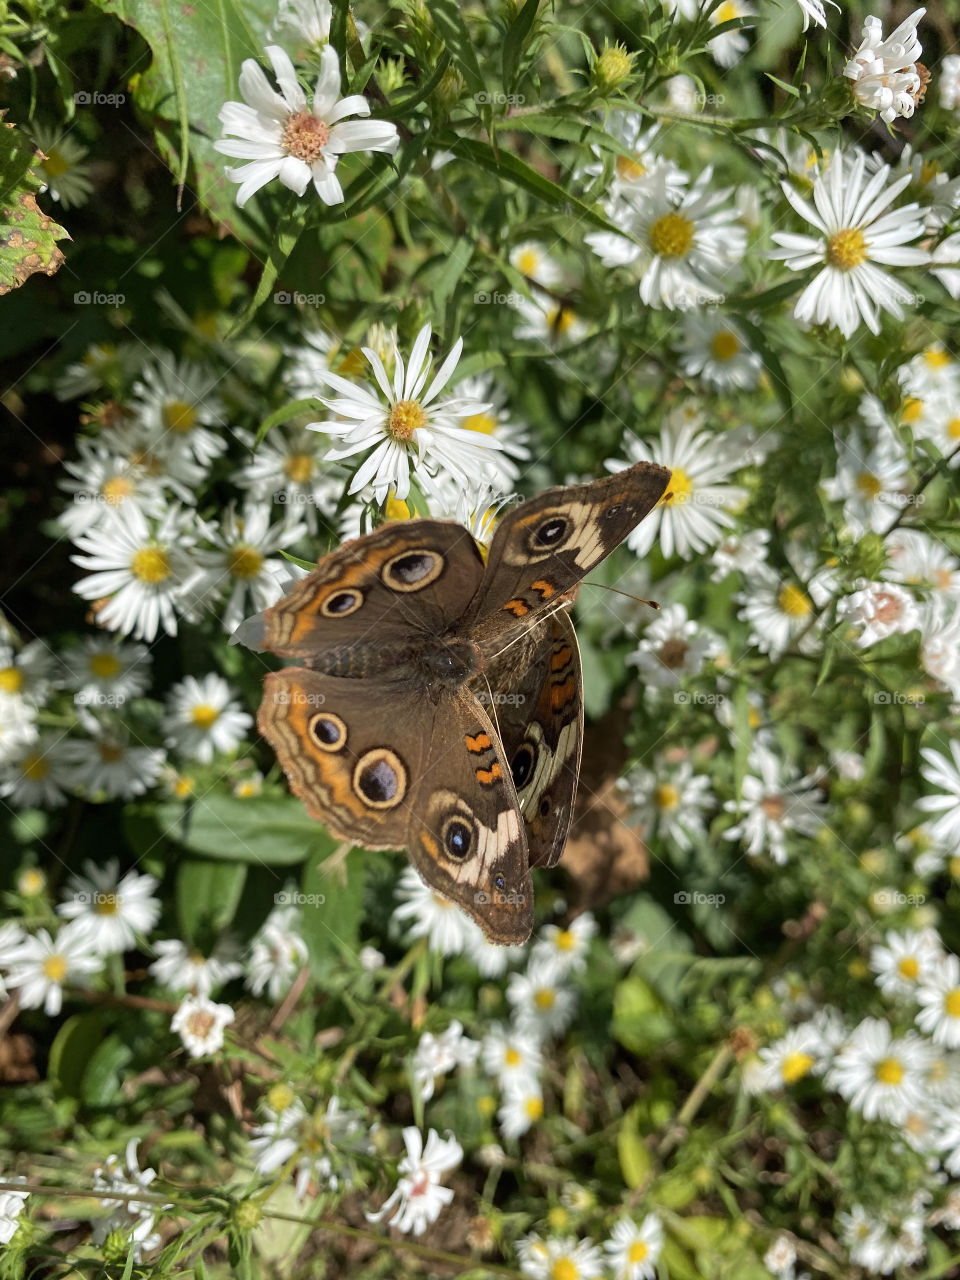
(105,1070)
(28,236)
(515,41)
(447,16)
(635,1158)
(330,916)
(273,830)
(207,896)
(640,1018)
(73,1048)
(293,409)
(567,126)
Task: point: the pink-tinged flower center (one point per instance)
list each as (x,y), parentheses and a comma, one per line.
(886,607)
(305,136)
(773,808)
(420,1183)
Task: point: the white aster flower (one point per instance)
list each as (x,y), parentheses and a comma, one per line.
(944,774)
(948,82)
(511,439)
(106,767)
(938,994)
(565,949)
(940,642)
(638,167)
(281,137)
(905,960)
(40,966)
(918,560)
(108,911)
(240,563)
(870,481)
(781,1257)
(139,569)
(884,72)
(567,1257)
(521,1108)
(878,610)
(533,261)
(404,427)
(780,610)
(134,1218)
(103,365)
(744,553)
(29,673)
(430,916)
(104,672)
(545,320)
(492,961)
(513,1057)
(202,718)
(305,21)
(11,1206)
(794,1056)
(673,647)
(277,953)
(199,1023)
(857,229)
(634,1249)
(880,1076)
(103,479)
(815,10)
(286,469)
(436,1055)
(182,968)
(729,47)
(714,349)
(541,1007)
(419,1197)
(686,244)
(698,508)
(176,409)
(670,800)
(772,806)
(38,771)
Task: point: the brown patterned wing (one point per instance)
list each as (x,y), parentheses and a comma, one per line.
(534,688)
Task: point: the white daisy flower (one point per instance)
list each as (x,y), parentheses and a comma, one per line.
(690,242)
(880,1076)
(634,1249)
(203,718)
(521,1108)
(878,610)
(938,994)
(513,1057)
(815,10)
(103,671)
(729,47)
(884,71)
(714,349)
(38,771)
(107,767)
(866,1239)
(744,553)
(638,167)
(277,954)
(794,1056)
(30,673)
(555,324)
(110,913)
(781,1257)
(698,507)
(948,82)
(673,647)
(533,261)
(176,408)
(138,570)
(436,1055)
(11,1206)
(940,642)
(305,21)
(17,725)
(781,611)
(541,1006)
(870,481)
(286,469)
(182,968)
(242,563)
(771,807)
(565,949)
(934,190)
(327,1141)
(944,774)
(40,966)
(670,800)
(905,960)
(281,137)
(430,916)
(511,438)
(134,1218)
(568,1258)
(103,365)
(104,480)
(199,1023)
(916,559)
(857,229)
(402,427)
(419,1197)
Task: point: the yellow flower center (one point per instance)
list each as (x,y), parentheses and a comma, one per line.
(671,236)
(11,679)
(937,358)
(868,484)
(116,490)
(244,561)
(106,904)
(953,866)
(928,171)
(847,249)
(725,345)
(250,787)
(55,968)
(795,1066)
(512,1057)
(179,416)
(564,1269)
(183,787)
(951,1003)
(679,489)
(35,768)
(629,168)
(545,998)
(56,164)
(396,509)
(912,409)
(753,717)
(304,136)
(31,882)
(638,1252)
(565,940)
(406,417)
(203,715)
(483,422)
(150,564)
(794,602)
(908,968)
(953,428)
(560,320)
(533,1108)
(528,261)
(727,11)
(889,1071)
(666,796)
(486,1105)
(104,665)
(299,467)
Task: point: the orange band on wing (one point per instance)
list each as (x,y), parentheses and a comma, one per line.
(478,744)
(517,607)
(559,658)
(561,694)
(546,589)
(489,776)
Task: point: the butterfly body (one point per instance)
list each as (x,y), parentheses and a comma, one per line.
(437,701)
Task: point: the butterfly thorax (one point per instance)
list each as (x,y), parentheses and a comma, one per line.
(432,664)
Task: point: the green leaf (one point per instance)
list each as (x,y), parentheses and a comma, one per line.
(634,1154)
(28,236)
(273,830)
(330,917)
(207,896)
(640,1020)
(565,126)
(292,409)
(104,1072)
(447,17)
(515,42)
(456,263)
(771,360)
(73,1048)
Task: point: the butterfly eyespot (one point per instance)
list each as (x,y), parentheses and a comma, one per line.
(413,570)
(342,603)
(328,731)
(523,764)
(457,836)
(380,778)
(551,532)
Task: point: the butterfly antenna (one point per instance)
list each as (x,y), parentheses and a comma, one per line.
(654,604)
(525,632)
(493,706)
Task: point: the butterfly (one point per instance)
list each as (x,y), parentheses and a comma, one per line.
(437,702)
